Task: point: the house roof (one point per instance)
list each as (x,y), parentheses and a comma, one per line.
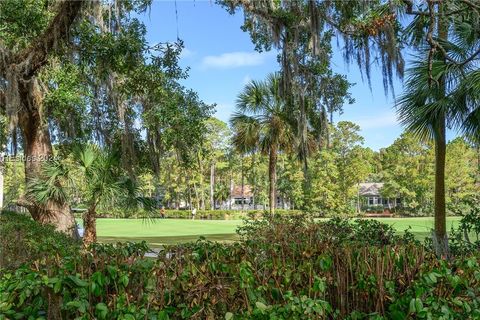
(370,188)
(247,191)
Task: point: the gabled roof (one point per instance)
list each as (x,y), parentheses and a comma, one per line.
(370,188)
(247,191)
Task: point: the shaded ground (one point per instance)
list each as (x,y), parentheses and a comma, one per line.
(170,231)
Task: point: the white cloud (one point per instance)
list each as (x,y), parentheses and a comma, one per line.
(186,53)
(234,60)
(380,121)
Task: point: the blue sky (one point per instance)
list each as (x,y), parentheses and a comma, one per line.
(222,59)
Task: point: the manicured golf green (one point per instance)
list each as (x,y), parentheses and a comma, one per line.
(168,231)
(165,231)
(421,227)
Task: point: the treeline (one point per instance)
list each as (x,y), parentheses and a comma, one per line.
(205,182)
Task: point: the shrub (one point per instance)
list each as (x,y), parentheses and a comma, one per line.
(282,268)
(373,208)
(24,240)
(287,229)
(465,240)
(299,275)
(444,290)
(187,214)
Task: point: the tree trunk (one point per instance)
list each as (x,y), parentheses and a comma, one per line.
(189,192)
(37,150)
(212,186)
(201,186)
(197,197)
(477,176)
(89,227)
(440,238)
(254,180)
(231,191)
(440,235)
(272,176)
(2,169)
(25,65)
(243,185)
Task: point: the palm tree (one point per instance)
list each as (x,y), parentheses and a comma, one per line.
(261,120)
(102,182)
(442,91)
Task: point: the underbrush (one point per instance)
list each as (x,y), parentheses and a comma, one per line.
(282,268)
(22,240)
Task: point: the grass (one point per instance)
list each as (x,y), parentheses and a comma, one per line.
(421,227)
(165,231)
(170,231)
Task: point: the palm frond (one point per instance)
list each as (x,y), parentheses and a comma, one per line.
(246,132)
(252,98)
(52,184)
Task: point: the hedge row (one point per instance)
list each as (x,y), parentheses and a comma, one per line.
(187,214)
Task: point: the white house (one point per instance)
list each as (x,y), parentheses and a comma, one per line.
(249,202)
(370,193)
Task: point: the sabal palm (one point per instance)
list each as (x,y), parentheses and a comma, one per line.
(440,95)
(103,182)
(261,122)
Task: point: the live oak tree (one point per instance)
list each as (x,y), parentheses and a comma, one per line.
(23,54)
(302,34)
(79,72)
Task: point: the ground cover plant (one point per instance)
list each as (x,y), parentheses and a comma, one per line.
(282,268)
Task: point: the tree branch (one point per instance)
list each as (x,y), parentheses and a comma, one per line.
(5,55)
(27,204)
(409,10)
(2,100)
(249,7)
(471,4)
(35,56)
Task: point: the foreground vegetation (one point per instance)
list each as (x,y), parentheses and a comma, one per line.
(285,268)
(174,231)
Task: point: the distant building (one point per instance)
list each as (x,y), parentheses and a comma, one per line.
(249,203)
(372,199)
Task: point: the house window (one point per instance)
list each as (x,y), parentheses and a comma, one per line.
(371,201)
(239,201)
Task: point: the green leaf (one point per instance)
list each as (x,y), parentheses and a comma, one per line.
(415,306)
(101,310)
(77,281)
(163,315)
(261,306)
(228,316)
(124,280)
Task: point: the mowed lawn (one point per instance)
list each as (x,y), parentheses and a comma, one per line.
(165,231)
(169,231)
